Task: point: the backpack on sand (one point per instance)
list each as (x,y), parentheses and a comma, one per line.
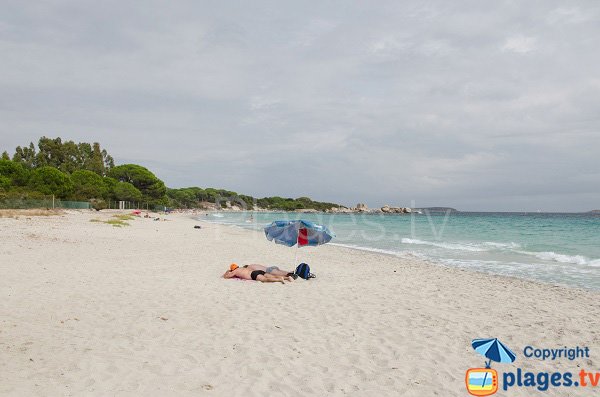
(303,271)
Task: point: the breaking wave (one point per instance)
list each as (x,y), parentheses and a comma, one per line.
(450,246)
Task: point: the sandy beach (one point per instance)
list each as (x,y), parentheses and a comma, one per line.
(91,309)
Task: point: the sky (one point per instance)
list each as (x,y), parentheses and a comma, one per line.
(468,104)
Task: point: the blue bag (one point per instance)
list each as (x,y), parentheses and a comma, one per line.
(303,271)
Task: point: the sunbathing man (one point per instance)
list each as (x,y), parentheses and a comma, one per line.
(259,275)
(274,270)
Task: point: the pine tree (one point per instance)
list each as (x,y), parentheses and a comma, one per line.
(26,156)
(97,160)
(109,163)
(85,155)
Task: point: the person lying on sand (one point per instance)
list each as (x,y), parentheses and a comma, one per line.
(274,270)
(259,275)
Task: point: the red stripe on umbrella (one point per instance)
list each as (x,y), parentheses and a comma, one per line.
(302,237)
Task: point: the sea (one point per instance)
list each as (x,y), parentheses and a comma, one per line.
(556,248)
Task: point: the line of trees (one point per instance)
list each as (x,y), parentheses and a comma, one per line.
(193,197)
(76,171)
(84,171)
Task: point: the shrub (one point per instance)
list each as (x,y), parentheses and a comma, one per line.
(87,185)
(49,180)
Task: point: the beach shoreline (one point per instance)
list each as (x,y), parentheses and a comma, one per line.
(557,249)
(93,309)
(421,261)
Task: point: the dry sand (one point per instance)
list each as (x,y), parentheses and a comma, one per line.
(91,309)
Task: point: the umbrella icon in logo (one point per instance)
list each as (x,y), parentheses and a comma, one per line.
(493,350)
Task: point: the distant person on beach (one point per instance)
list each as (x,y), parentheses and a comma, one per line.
(245,273)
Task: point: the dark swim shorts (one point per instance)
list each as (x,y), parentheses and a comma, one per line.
(256,273)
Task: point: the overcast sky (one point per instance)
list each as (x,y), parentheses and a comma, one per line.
(470,104)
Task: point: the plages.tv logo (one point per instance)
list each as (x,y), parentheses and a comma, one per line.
(484,381)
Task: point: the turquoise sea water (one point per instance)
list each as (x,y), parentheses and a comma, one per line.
(556,248)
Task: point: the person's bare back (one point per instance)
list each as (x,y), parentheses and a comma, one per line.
(274,270)
(246,273)
(240,272)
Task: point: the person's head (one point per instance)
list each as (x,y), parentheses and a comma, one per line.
(232,267)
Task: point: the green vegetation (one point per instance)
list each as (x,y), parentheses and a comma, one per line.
(16,173)
(67,157)
(88,184)
(192,197)
(116,222)
(143,180)
(75,171)
(5,183)
(126,191)
(49,180)
(123,217)
(86,172)
(290,204)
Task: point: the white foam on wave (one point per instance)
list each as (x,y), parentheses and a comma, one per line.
(514,247)
(510,267)
(451,246)
(400,254)
(494,244)
(562,258)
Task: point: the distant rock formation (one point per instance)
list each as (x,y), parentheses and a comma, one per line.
(206,205)
(339,210)
(386,209)
(361,207)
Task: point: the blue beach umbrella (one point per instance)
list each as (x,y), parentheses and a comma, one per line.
(494,350)
(298,232)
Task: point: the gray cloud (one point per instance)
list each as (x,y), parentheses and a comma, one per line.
(472,105)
